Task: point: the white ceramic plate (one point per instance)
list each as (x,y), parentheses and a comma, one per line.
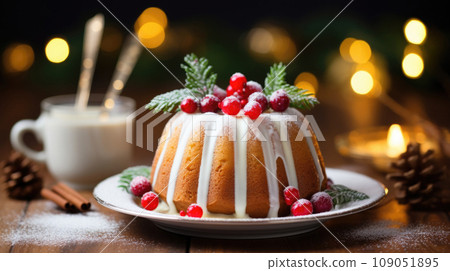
(109,195)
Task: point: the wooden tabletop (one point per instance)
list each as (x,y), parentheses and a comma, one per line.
(388,227)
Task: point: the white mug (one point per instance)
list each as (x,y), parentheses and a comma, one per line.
(81,148)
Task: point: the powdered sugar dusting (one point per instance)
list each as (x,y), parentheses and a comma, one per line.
(390,234)
(48,228)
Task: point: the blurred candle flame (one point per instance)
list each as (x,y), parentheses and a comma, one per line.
(395,141)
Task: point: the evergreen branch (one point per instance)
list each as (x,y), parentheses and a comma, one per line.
(169,101)
(128,175)
(275,79)
(199,76)
(299,98)
(342,194)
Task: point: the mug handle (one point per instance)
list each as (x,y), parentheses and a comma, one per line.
(18,131)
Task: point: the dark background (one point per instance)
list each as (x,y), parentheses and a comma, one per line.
(219,29)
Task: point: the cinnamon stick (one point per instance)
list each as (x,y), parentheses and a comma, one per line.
(60,201)
(79,204)
(74,193)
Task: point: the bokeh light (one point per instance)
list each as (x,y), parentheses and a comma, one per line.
(18,58)
(412,65)
(271,42)
(261,40)
(344,48)
(360,51)
(150,27)
(284,49)
(415,31)
(57,50)
(308,81)
(151,35)
(362,82)
(152,14)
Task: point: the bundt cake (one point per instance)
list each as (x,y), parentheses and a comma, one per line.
(231,165)
(235,161)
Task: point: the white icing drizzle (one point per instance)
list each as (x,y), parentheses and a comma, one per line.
(170,127)
(311,146)
(271,169)
(286,155)
(186,133)
(240,168)
(209,145)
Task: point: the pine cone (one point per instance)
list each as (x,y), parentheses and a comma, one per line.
(21,177)
(416,176)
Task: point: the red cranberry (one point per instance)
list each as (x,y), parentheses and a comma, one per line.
(260,98)
(231,106)
(291,195)
(301,207)
(209,103)
(140,185)
(182,213)
(252,110)
(252,87)
(230,90)
(279,100)
(194,210)
(243,102)
(330,183)
(219,93)
(189,105)
(322,202)
(150,201)
(237,81)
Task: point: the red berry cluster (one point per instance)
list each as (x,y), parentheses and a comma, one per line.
(140,186)
(320,202)
(240,94)
(194,210)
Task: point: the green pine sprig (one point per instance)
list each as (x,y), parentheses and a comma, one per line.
(169,101)
(199,76)
(200,81)
(276,79)
(342,194)
(128,175)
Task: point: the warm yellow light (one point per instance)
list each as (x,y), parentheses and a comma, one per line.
(308,81)
(109,103)
(360,51)
(118,84)
(415,31)
(412,65)
(344,49)
(284,48)
(57,50)
(362,82)
(149,15)
(261,40)
(18,58)
(395,141)
(151,35)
